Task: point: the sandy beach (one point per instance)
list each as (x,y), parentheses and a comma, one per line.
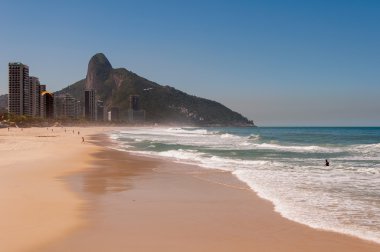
(58,194)
(35,203)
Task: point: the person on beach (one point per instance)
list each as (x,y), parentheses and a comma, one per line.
(82,139)
(327,163)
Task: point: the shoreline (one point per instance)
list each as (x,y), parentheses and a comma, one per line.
(134,199)
(288,175)
(243,186)
(89,197)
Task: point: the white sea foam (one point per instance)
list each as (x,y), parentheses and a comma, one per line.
(212,139)
(313,149)
(192,131)
(342,197)
(226,135)
(366,150)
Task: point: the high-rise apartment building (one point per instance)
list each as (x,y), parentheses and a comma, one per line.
(47,105)
(90,105)
(66,106)
(69,105)
(35,96)
(19,89)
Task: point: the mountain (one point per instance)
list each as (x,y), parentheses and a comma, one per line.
(163,104)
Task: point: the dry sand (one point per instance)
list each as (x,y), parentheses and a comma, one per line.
(35,204)
(112,201)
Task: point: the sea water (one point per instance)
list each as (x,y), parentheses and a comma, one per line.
(285,166)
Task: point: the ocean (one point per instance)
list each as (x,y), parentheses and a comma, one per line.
(285,166)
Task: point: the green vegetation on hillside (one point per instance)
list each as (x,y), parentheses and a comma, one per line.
(163,104)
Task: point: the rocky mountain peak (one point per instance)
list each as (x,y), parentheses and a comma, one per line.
(99,69)
(161,104)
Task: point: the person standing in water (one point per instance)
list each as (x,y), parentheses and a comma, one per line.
(327,163)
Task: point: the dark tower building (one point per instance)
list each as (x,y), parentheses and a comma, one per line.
(19,89)
(47,105)
(90,105)
(35,96)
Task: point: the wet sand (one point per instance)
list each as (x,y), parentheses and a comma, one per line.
(141,204)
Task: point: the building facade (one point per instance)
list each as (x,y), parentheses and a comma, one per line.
(35,96)
(19,89)
(90,112)
(66,106)
(47,105)
(26,95)
(70,106)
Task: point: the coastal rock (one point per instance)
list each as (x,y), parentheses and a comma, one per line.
(99,70)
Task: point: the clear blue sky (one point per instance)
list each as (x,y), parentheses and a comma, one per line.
(277,62)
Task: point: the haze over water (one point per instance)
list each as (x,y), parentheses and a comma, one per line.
(285,166)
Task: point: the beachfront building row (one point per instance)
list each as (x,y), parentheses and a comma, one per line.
(26,95)
(66,106)
(95,110)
